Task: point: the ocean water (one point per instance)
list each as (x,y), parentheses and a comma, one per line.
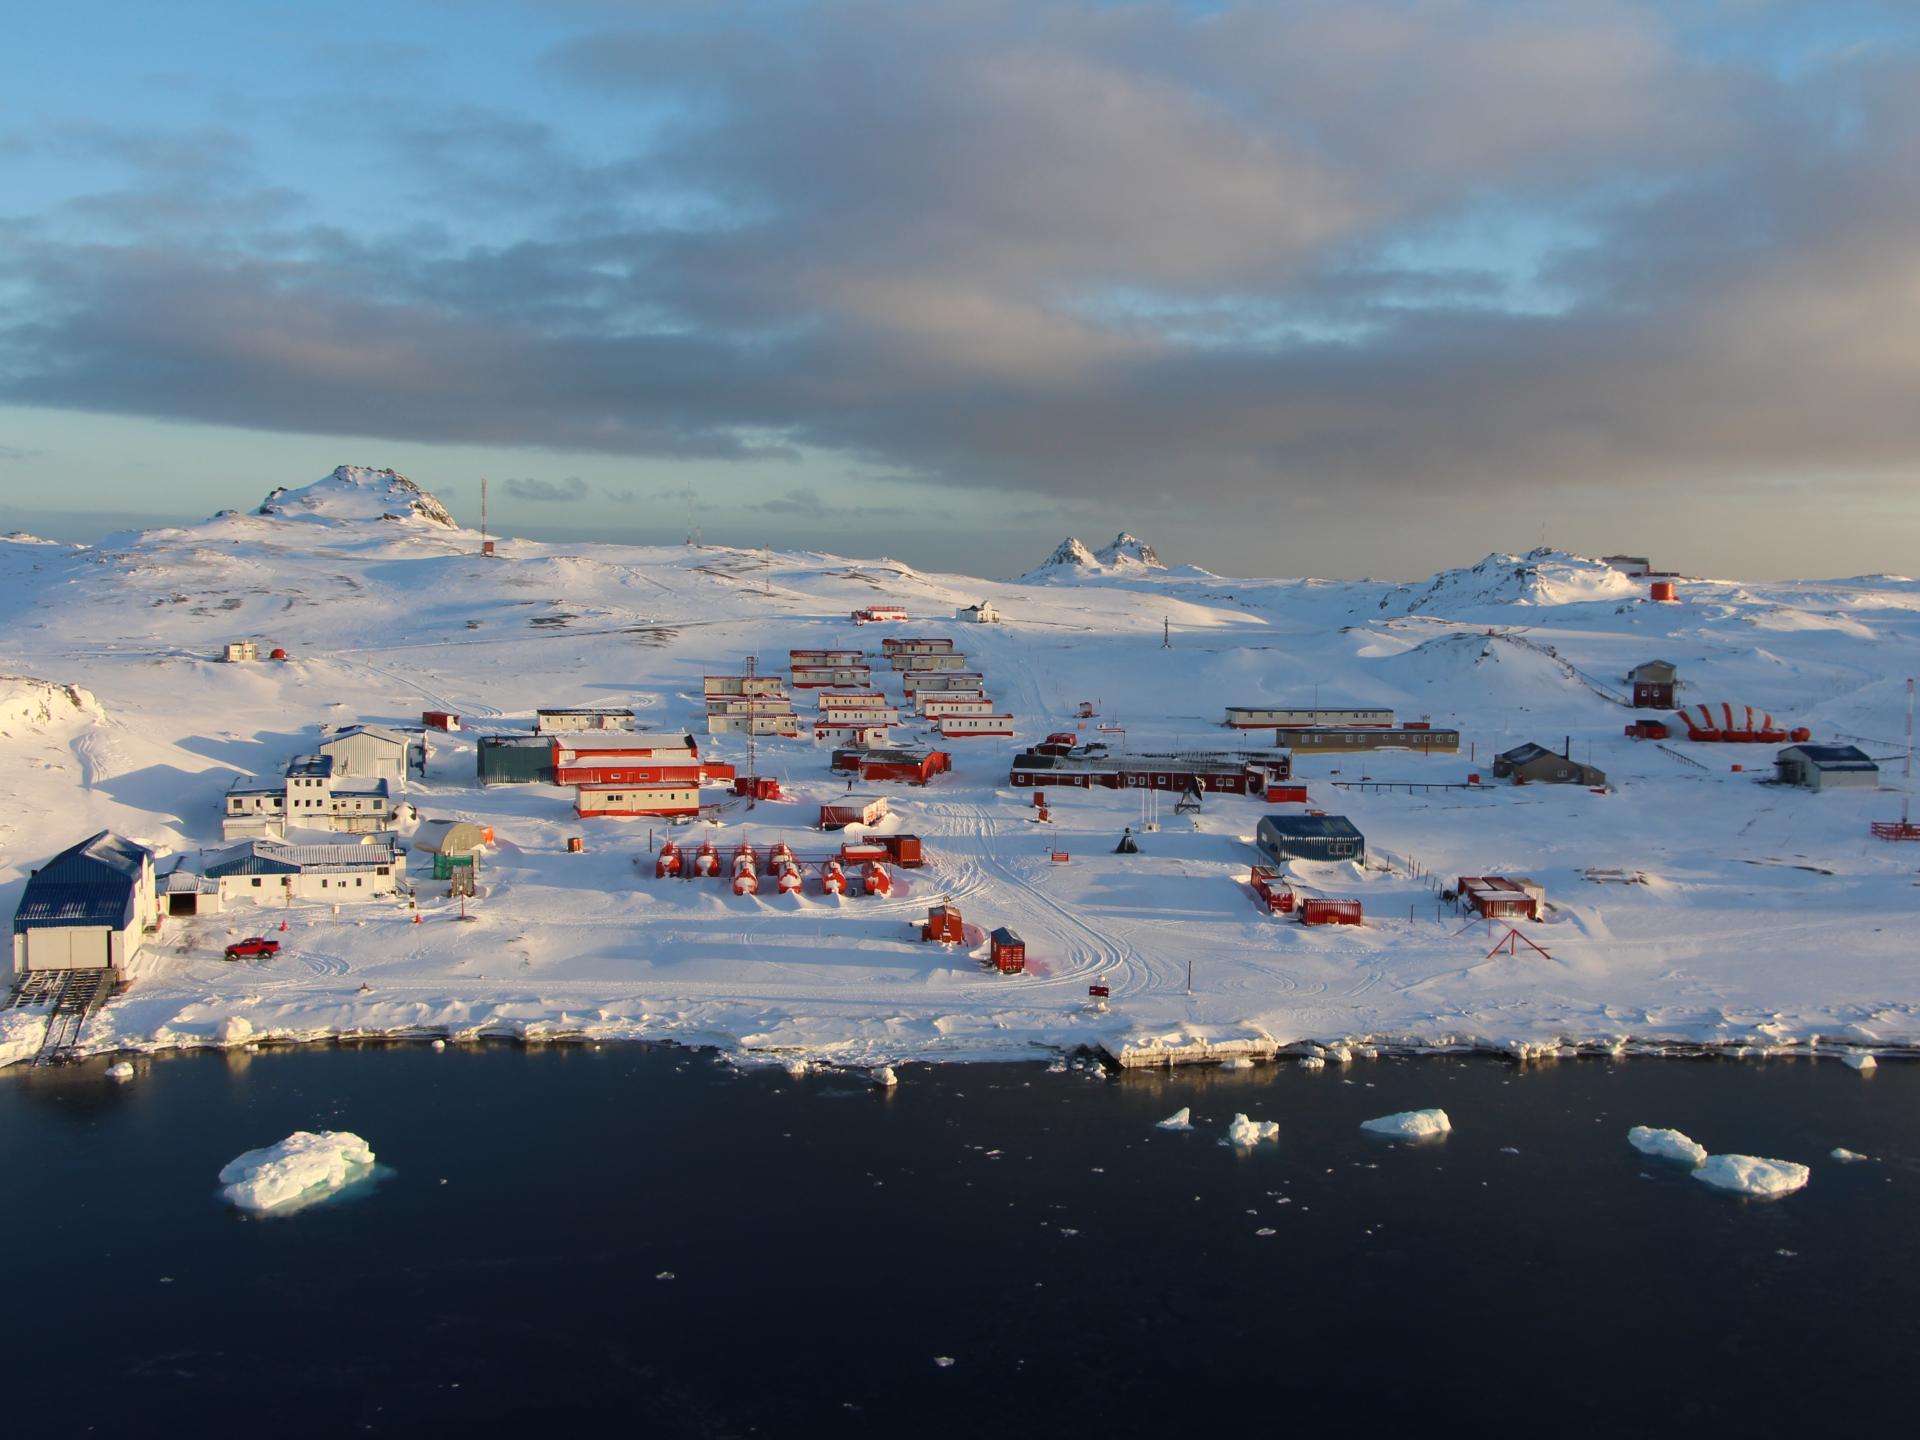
(649,1240)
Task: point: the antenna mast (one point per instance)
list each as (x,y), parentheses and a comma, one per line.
(483,515)
(1906,774)
(753,781)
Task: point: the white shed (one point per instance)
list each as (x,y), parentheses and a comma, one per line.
(370,752)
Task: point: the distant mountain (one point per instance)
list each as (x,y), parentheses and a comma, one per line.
(357,492)
(1072,560)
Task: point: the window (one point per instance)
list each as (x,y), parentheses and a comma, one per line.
(256,882)
(358,882)
(381,870)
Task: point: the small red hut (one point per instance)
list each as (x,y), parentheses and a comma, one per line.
(943,923)
(1007,951)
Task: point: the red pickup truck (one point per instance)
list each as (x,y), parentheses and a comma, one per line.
(255,946)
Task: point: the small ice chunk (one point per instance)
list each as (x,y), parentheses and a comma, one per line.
(439,1044)
(1251,1132)
(122,1070)
(1667,1145)
(1312,1062)
(1861,1061)
(1410,1124)
(1181,1119)
(885,1078)
(305,1167)
(1750,1175)
(1846,1156)
(1236,1062)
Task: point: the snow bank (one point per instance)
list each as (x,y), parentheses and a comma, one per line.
(1750,1175)
(1667,1145)
(21,1032)
(1250,1132)
(305,1167)
(1181,1119)
(1410,1125)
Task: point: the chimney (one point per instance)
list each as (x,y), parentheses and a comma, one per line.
(1566,748)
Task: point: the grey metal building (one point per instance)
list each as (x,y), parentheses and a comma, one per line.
(1310,837)
(1826,767)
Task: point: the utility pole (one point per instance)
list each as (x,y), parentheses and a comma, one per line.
(1166,632)
(483,514)
(753,782)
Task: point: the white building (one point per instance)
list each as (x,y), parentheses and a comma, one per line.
(981,614)
(1826,767)
(90,907)
(240,650)
(562,721)
(270,872)
(373,752)
(309,798)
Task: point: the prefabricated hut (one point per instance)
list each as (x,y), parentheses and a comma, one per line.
(1501,897)
(1293,717)
(90,907)
(1826,767)
(943,923)
(581,717)
(236,651)
(853,810)
(1310,837)
(1532,764)
(981,614)
(608,801)
(1653,683)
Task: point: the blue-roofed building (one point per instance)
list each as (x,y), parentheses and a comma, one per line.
(270,872)
(88,908)
(1310,837)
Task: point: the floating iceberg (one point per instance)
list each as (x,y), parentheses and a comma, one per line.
(305,1167)
(884,1077)
(1750,1175)
(1251,1132)
(1410,1125)
(1667,1145)
(1181,1119)
(1860,1061)
(120,1070)
(1846,1156)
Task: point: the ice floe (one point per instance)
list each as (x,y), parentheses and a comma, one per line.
(1410,1125)
(305,1167)
(1846,1156)
(1751,1175)
(1251,1132)
(1181,1119)
(1860,1061)
(120,1070)
(1667,1145)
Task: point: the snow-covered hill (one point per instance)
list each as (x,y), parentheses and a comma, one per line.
(384,617)
(357,492)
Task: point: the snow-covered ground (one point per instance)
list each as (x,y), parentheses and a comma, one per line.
(1768,917)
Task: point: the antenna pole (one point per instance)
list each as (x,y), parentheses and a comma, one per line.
(483,513)
(753,782)
(1166,632)
(1906,774)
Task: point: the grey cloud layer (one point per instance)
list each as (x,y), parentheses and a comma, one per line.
(1076,249)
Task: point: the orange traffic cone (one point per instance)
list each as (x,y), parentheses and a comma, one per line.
(283,925)
(416,917)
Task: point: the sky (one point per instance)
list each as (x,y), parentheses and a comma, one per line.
(1332,287)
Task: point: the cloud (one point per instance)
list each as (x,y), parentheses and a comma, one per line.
(1069,251)
(570,489)
(16,452)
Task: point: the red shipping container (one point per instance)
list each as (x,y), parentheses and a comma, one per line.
(1331,912)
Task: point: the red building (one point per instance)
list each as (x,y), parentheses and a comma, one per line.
(943,923)
(1007,951)
(1331,912)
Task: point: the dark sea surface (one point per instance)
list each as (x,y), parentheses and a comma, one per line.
(649,1241)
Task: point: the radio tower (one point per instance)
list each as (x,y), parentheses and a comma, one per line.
(485,546)
(753,781)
